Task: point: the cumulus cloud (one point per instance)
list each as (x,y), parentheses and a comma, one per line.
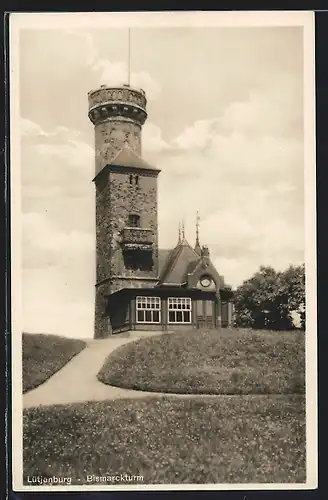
(55,172)
(244,171)
(54,161)
(45,244)
(152,139)
(108,72)
(30,130)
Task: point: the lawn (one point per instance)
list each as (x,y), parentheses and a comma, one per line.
(214,362)
(44,355)
(228,439)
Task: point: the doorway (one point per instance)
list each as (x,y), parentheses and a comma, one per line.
(205,318)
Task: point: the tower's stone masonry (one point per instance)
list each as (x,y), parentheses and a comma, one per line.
(115,200)
(118,114)
(122,191)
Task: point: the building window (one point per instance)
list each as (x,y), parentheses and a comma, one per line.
(148,309)
(179,309)
(134,220)
(134,180)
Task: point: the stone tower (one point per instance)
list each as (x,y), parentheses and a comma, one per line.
(126,198)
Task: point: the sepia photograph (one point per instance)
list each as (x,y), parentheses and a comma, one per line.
(163,251)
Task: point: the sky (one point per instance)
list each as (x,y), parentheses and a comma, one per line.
(225,126)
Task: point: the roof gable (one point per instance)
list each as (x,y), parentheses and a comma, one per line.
(204,266)
(128,158)
(178,260)
(183,266)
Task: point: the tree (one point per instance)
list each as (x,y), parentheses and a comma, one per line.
(268,299)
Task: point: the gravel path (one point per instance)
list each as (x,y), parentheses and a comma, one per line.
(77,381)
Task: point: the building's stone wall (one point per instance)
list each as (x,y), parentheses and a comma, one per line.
(116,198)
(128,199)
(101,321)
(110,137)
(102,326)
(118,114)
(103,227)
(115,95)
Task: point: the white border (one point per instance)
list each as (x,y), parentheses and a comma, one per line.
(91,20)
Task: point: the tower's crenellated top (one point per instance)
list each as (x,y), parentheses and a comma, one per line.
(117,103)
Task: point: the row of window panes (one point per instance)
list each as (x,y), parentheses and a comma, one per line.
(148,316)
(179,317)
(179,303)
(151,316)
(148,303)
(148,309)
(173,303)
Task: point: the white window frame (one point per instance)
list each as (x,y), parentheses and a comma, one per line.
(151,304)
(186,305)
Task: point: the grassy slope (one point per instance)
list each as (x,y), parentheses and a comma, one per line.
(44,355)
(227,440)
(225,362)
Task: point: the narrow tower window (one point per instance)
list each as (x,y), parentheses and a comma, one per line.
(134,220)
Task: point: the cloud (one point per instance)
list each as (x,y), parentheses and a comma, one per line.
(244,171)
(152,139)
(33,132)
(273,110)
(196,136)
(56,173)
(108,72)
(54,161)
(116,73)
(58,243)
(46,245)
(30,129)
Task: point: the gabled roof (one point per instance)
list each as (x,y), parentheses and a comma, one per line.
(192,266)
(178,260)
(126,157)
(163,254)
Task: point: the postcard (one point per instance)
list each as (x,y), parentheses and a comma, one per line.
(163,250)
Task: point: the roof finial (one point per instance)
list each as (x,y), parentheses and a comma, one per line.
(197,246)
(197,227)
(183,229)
(179,240)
